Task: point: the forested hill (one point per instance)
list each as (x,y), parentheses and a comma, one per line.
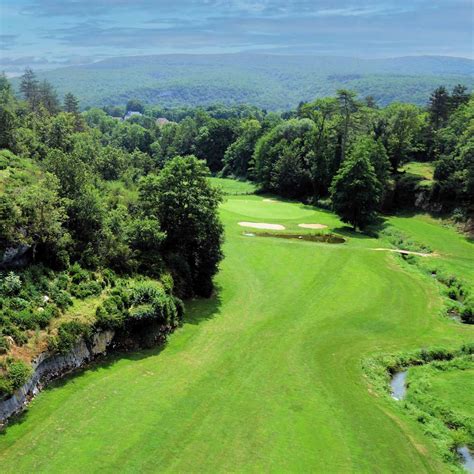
(274,82)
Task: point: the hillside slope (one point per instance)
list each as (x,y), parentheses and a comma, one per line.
(275,82)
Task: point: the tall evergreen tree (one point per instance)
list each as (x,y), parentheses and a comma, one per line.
(71,104)
(348,106)
(439,105)
(29,87)
(459,96)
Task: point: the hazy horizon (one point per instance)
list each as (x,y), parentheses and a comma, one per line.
(53,33)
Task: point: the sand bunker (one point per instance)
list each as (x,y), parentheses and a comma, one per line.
(409,252)
(313,226)
(269,200)
(262,225)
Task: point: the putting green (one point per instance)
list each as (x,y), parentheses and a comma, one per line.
(264,377)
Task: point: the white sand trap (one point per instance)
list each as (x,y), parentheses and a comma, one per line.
(262,225)
(269,200)
(313,226)
(409,252)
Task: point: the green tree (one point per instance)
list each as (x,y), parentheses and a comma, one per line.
(348,106)
(439,105)
(186,206)
(355,190)
(34,215)
(459,96)
(29,88)
(375,151)
(239,154)
(212,140)
(71,103)
(134,105)
(402,134)
(290,144)
(48,96)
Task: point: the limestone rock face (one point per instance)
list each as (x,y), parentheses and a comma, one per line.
(50,366)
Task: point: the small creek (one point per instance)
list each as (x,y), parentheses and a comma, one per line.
(398,385)
(399,390)
(467,458)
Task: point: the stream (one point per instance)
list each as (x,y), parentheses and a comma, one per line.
(398,385)
(467,458)
(399,389)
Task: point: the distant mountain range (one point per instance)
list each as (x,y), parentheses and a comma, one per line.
(274,82)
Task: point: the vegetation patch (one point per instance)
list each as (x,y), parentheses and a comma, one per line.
(449,426)
(324,238)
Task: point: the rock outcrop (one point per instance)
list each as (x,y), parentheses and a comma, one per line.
(50,366)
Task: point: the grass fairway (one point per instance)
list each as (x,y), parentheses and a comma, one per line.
(456,387)
(266,376)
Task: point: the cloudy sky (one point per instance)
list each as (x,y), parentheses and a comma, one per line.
(50,33)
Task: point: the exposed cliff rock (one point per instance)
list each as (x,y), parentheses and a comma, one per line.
(50,366)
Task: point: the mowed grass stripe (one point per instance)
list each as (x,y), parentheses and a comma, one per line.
(265,377)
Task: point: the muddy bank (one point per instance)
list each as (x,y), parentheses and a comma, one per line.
(47,366)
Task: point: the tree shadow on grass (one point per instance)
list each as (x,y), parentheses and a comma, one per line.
(370,232)
(201,309)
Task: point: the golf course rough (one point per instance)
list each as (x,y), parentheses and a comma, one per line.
(267,375)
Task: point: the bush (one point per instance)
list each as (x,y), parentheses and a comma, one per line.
(18,373)
(69,333)
(467,315)
(61,298)
(86,289)
(78,274)
(111,313)
(11,284)
(3,345)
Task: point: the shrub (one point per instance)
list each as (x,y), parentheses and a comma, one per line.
(11,284)
(467,314)
(69,333)
(111,313)
(78,274)
(3,345)
(18,373)
(61,298)
(86,289)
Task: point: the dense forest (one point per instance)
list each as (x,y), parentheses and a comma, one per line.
(274,82)
(115,204)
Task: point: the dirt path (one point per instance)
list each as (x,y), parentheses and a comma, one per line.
(408,252)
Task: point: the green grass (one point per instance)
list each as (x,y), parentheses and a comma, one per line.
(455,251)
(233,187)
(266,376)
(455,388)
(424,170)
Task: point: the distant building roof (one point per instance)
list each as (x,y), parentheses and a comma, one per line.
(162,121)
(131,113)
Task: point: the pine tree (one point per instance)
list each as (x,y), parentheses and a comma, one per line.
(29,88)
(439,105)
(459,96)
(71,104)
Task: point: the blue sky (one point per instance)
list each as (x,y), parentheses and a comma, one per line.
(51,33)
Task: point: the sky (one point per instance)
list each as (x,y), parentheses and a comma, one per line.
(45,34)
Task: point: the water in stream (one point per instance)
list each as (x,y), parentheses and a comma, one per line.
(467,459)
(398,385)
